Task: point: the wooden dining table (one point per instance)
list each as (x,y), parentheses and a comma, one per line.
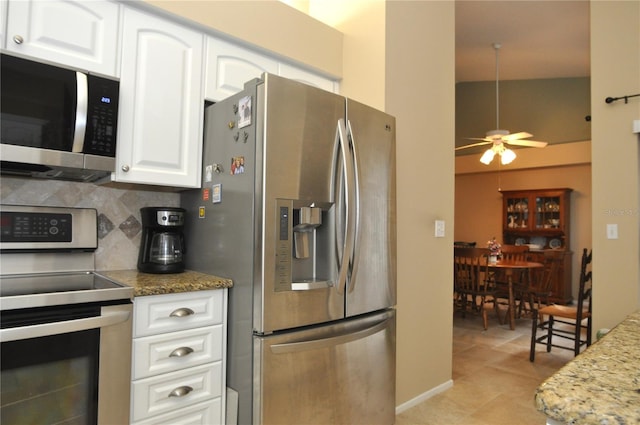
(509,267)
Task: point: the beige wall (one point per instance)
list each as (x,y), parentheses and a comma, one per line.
(420,91)
(615,71)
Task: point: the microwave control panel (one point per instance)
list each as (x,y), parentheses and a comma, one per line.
(100,138)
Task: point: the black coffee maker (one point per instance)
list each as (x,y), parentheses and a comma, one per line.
(162,245)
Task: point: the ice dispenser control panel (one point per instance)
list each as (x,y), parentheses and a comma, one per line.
(283,248)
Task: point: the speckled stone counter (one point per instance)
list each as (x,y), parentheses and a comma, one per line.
(601,385)
(172,283)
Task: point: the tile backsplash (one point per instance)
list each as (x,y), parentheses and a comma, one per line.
(119,227)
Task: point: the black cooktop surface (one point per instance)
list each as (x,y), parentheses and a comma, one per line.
(37,290)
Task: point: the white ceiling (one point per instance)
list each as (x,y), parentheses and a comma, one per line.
(540,39)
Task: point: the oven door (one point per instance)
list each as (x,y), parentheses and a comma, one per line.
(66,364)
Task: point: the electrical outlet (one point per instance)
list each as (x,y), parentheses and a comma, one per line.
(439,228)
(612,231)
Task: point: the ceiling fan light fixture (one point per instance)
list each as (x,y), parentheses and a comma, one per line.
(487,157)
(497,134)
(499,137)
(507,156)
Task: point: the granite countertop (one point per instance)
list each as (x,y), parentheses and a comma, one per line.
(170,283)
(601,385)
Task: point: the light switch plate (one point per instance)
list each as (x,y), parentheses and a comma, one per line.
(612,231)
(439,228)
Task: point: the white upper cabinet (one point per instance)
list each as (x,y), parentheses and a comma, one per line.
(307,77)
(230,65)
(74,33)
(161,106)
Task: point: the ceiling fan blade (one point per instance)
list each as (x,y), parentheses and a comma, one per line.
(529,143)
(516,136)
(473,145)
(486,139)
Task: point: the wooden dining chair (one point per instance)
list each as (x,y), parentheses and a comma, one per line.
(473,291)
(520,279)
(540,289)
(570,318)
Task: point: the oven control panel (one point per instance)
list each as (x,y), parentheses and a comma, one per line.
(49,228)
(35,227)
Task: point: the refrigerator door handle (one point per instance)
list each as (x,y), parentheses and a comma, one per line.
(347,170)
(315,344)
(355,251)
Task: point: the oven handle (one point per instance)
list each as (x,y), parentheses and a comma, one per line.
(35,331)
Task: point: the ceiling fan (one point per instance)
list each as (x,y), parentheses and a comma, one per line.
(498,138)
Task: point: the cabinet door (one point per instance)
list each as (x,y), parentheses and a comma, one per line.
(156,354)
(156,314)
(161,107)
(548,212)
(206,413)
(78,34)
(229,66)
(172,391)
(517,212)
(307,77)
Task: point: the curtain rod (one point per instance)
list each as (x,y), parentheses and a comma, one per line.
(626,98)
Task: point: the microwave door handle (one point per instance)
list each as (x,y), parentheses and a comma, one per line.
(82,106)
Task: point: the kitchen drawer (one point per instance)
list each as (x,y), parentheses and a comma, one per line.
(207,413)
(156,314)
(157,354)
(151,396)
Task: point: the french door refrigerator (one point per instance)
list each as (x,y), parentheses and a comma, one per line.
(297,206)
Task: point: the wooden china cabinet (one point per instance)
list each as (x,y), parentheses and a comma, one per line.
(541,219)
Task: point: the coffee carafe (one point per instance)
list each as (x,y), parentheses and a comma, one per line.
(162,245)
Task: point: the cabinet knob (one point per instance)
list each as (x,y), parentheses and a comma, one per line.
(125,168)
(18,39)
(181,352)
(181,312)
(181,391)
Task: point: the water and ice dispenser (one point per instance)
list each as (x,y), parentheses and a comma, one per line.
(303,247)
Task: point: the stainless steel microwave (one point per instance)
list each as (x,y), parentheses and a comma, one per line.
(56,123)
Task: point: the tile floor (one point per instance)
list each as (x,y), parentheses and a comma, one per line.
(493,380)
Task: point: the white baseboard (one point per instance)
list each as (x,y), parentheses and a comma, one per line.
(424,396)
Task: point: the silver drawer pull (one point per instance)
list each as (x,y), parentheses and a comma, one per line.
(181,312)
(180,352)
(181,391)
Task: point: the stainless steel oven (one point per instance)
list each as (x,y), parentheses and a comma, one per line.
(65,330)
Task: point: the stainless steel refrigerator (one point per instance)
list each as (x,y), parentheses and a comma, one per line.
(297,206)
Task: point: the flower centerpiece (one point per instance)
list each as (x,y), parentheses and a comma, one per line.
(494,248)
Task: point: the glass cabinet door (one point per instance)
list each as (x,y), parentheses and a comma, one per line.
(517,213)
(548,212)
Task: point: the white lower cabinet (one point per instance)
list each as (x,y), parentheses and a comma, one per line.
(208,412)
(179,360)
